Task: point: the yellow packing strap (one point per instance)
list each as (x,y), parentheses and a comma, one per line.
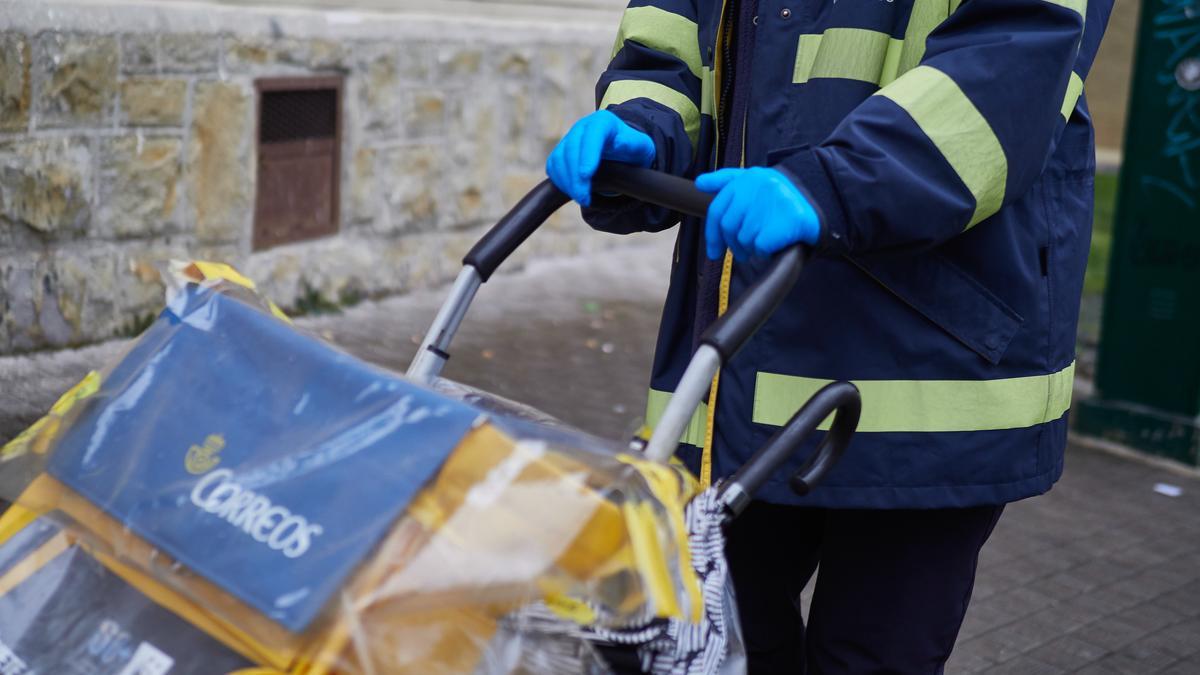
(673,486)
(643,535)
(201,270)
(255,637)
(213,271)
(42,432)
(36,560)
(15,519)
(569,608)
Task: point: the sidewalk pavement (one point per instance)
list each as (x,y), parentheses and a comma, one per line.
(1101,575)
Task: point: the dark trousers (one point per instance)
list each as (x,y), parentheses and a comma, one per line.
(890,595)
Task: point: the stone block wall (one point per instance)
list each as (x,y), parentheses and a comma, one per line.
(127,138)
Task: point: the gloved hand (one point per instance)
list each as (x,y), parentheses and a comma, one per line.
(598,136)
(757,212)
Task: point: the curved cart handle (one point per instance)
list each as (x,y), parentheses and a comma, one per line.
(654,187)
(840,398)
(719,343)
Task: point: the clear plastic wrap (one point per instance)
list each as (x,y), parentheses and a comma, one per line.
(236,494)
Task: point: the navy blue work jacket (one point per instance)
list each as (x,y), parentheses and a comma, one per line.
(948,148)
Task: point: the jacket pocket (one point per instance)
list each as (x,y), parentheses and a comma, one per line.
(950,298)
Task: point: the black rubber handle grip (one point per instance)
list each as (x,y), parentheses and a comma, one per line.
(840,398)
(675,193)
(653,187)
(514,228)
(734,328)
(845,399)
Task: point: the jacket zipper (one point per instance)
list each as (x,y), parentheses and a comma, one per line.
(723,96)
(725,86)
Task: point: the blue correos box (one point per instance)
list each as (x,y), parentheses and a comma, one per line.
(264,460)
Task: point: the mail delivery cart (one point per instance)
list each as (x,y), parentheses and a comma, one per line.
(723,502)
(234,495)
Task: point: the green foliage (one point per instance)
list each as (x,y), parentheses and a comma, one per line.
(136,325)
(351,296)
(1102,233)
(313,301)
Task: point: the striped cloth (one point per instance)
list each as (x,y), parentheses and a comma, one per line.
(675,647)
(547,643)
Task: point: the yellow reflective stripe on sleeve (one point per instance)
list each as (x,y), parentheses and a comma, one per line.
(925,16)
(928,406)
(1079,6)
(656,403)
(1074,91)
(959,131)
(848,54)
(663,31)
(620,91)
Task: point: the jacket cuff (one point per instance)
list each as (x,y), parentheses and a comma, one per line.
(803,167)
(620,214)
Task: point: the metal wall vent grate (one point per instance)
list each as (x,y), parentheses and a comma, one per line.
(299,155)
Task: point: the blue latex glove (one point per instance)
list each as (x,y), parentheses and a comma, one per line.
(598,136)
(757,212)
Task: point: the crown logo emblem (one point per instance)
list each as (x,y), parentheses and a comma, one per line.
(202,458)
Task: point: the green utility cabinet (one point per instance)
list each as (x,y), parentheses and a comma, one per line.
(1148,375)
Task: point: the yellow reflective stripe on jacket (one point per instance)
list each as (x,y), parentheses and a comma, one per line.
(620,91)
(708,92)
(662,31)
(928,405)
(656,403)
(924,17)
(1074,91)
(848,54)
(1079,6)
(959,131)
